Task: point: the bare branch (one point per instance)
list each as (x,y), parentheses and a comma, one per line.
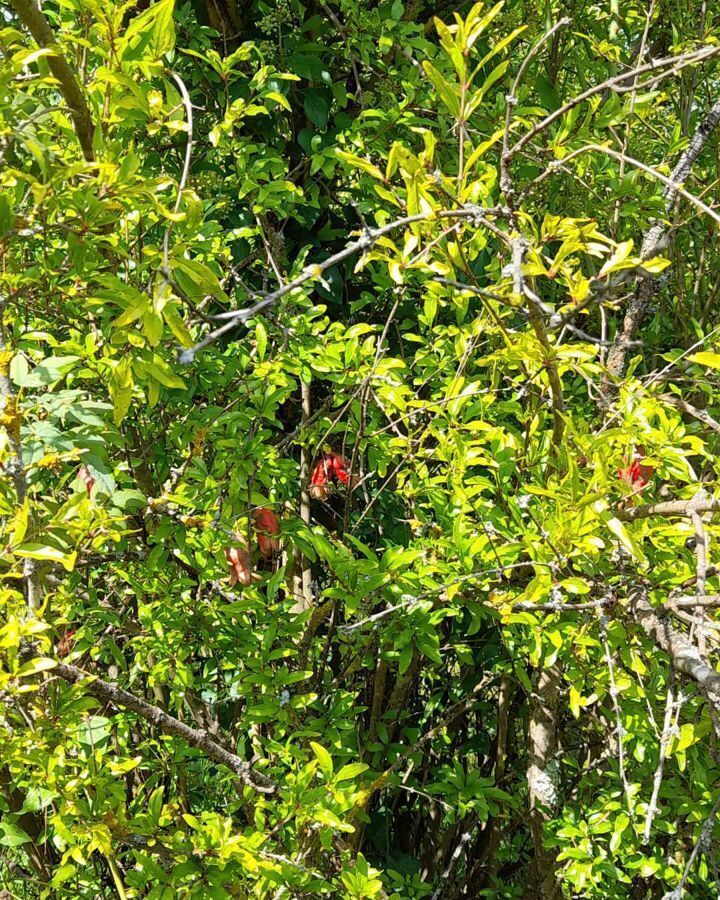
(109,692)
(656,234)
(185,172)
(705,600)
(669,508)
(702,843)
(664,741)
(701,415)
(669,183)
(309,273)
(673,64)
(684,655)
(620,730)
(701,548)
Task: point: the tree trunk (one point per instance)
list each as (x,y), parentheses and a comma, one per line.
(542,780)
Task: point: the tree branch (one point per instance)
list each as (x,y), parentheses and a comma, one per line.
(685,656)
(669,508)
(369,238)
(109,692)
(702,415)
(670,63)
(36,23)
(647,288)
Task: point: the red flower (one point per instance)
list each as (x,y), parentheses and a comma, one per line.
(332,468)
(268,528)
(341,468)
(85,475)
(66,643)
(636,474)
(240,565)
(321,478)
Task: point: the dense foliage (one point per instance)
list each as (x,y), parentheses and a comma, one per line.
(359,452)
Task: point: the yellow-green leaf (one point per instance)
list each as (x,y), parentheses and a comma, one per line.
(323,758)
(449,93)
(357,162)
(626,539)
(706,358)
(39,664)
(42,551)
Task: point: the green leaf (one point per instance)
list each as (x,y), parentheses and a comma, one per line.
(626,539)
(323,758)
(129,500)
(176,325)
(42,551)
(316,109)
(157,369)
(7,218)
(149,34)
(548,94)
(449,93)
(279,98)
(406,655)
(706,358)
(39,664)
(121,388)
(12,835)
(195,279)
(357,162)
(351,770)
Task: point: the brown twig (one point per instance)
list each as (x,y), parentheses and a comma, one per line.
(109,692)
(36,23)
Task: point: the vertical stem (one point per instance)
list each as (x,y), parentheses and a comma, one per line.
(614,29)
(664,741)
(115,872)
(542,779)
(302,577)
(499,775)
(36,23)
(700,574)
(11,419)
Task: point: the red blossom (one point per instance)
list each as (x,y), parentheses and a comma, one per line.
(268,529)
(636,474)
(85,475)
(341,468)
(66,643)
(240,565)
(321,478)
(331,469)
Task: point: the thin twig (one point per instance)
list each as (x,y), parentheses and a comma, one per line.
(664,741)
(309,273)
(672,63)
(620,730)
(702,843)
(506,185)
(185,172)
